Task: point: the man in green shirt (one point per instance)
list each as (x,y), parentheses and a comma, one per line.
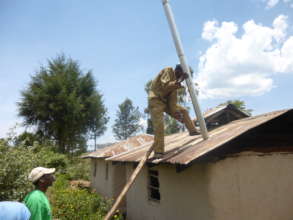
(37,201)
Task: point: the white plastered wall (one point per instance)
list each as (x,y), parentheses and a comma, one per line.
(251,186)
(100,181)
(183,195)
(108,185)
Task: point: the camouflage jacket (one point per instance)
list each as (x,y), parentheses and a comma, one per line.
(164,86)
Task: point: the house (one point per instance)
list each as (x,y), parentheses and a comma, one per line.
(221,115)
(108,178)
(243,171)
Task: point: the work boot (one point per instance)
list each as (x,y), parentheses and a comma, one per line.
(193,133)
(158,155)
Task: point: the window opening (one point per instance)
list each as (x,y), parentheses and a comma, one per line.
(95,169)
(153,185)
(107,171)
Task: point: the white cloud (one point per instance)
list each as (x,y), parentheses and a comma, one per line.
(243,65)
(272,3)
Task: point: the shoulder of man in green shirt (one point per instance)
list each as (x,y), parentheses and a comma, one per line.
(39,206)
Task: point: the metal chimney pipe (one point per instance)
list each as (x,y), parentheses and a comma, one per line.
(183,62)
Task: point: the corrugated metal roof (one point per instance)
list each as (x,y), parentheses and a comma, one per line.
(182,149)
(219,108)
(212,111)
(122,146)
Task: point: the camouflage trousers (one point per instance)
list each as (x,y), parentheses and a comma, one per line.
(157,109)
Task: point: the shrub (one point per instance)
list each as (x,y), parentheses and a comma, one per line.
(78,169)
(56,160)
(75,204)
(16,163)
(61,182)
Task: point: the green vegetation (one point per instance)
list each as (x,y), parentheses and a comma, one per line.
(172,126)
(78,169)
(127,121)
(75,204)
(64,105)
(64,108)
(16,161)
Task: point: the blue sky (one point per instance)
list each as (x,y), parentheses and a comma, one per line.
(239,49)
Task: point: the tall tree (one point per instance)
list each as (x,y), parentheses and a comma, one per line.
(99,120)
(127,121)
(149,129)
(240,105)
(63,104)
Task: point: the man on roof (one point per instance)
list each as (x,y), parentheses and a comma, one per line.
(163,98)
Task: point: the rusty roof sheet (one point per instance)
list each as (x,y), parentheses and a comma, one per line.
(182,149)
(212,111)
(219,108)
(122,146)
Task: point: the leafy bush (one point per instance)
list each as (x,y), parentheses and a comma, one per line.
(61,183)
(78,169)
(16,163)
(56,160)
(69,203)
(75,204)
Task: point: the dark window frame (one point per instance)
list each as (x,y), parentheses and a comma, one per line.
(107,171)
(153,185)
(95,168)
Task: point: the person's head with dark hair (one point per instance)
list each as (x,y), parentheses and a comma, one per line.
(180,74)
(42,177)
(178,71)
(178,68)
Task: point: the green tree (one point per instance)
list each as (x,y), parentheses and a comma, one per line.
(240,105)
(63,104)
(127,121)
(149,129)
(27,139)
(172,126)
(99,119)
